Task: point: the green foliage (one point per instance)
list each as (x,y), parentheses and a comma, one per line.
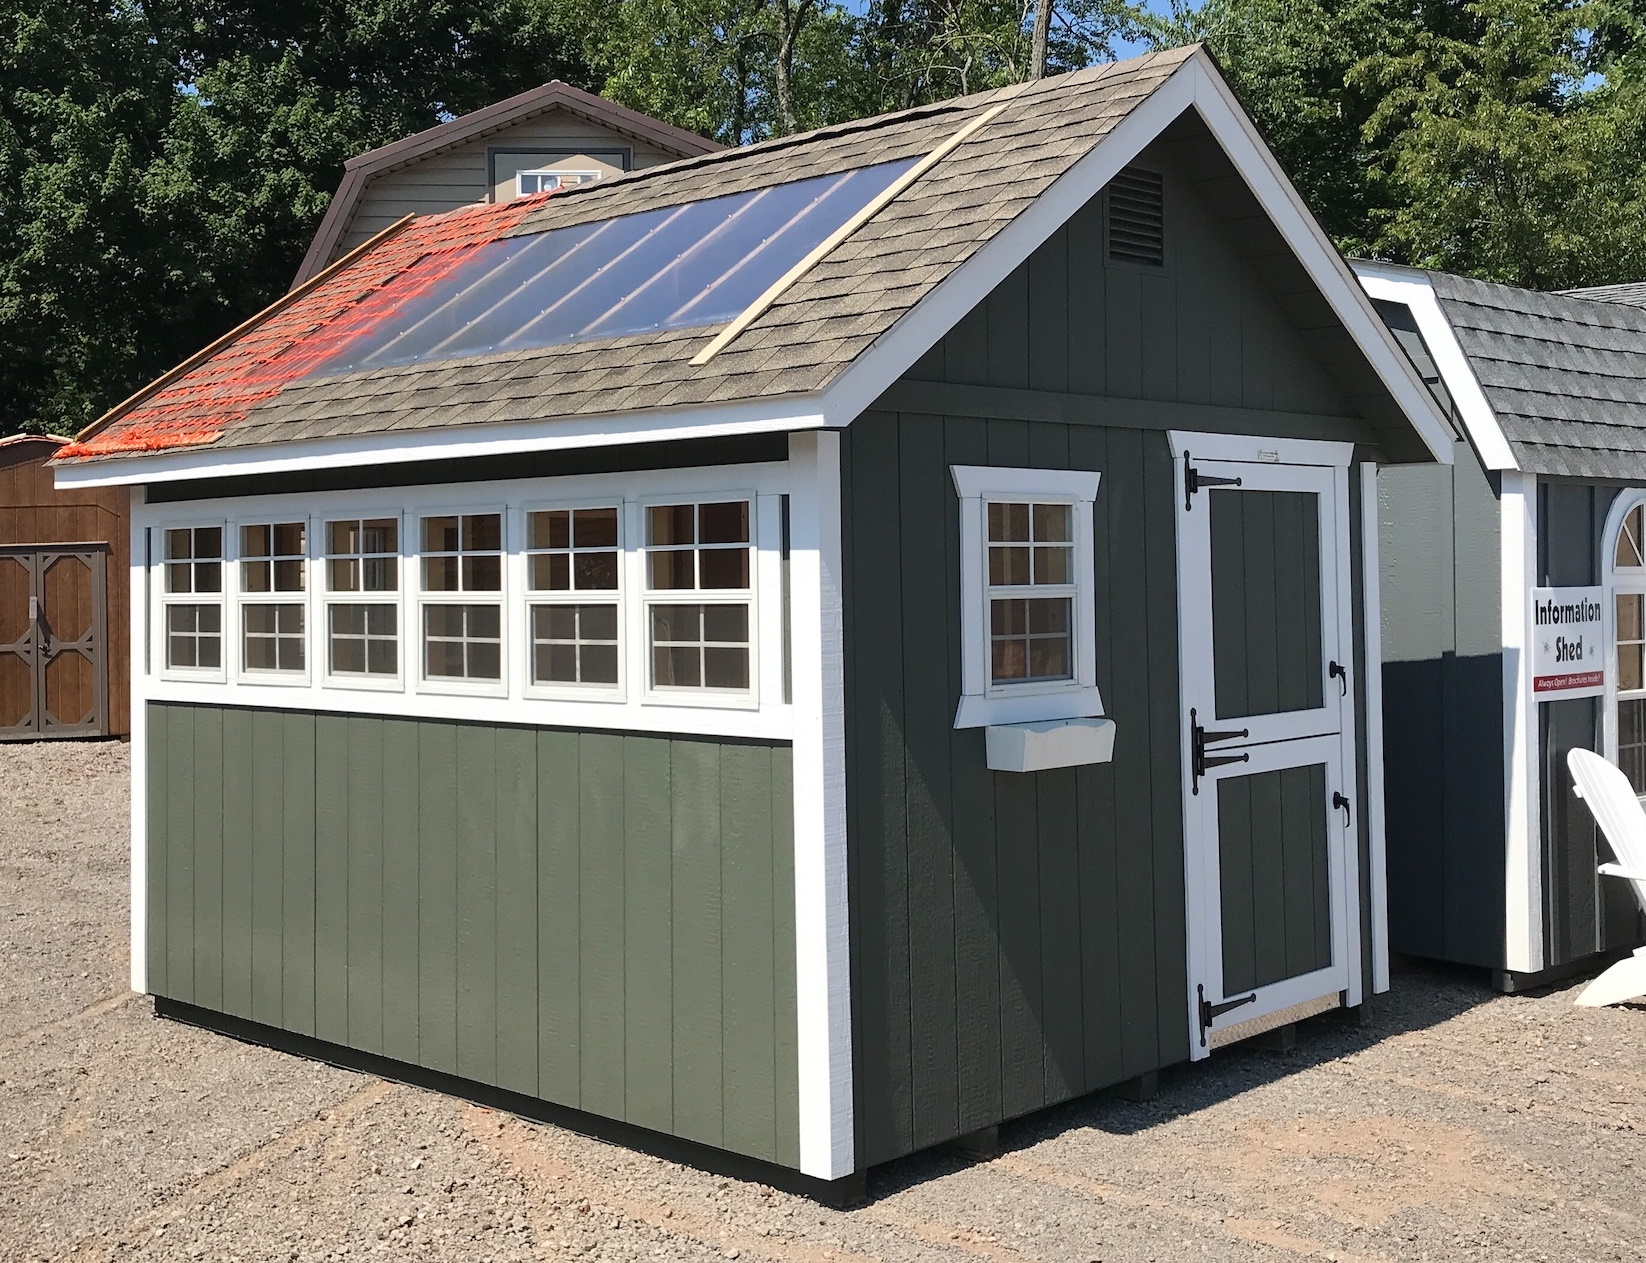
(163,165)
(1499,138)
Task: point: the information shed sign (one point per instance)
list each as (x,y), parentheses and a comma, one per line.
(1568,642)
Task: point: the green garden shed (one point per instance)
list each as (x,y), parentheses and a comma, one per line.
(788,657)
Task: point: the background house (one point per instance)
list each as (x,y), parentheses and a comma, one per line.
(526,144)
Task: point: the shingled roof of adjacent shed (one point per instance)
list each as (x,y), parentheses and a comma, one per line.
(1632,292)
(1565,376)
(260,388)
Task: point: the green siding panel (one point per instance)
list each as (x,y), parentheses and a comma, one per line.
(602,921)
(1017,940)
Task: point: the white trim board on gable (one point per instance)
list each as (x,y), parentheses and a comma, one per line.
(1411,289)
(1193,85)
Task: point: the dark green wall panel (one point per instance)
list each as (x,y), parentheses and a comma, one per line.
(602,921)
(1017,940)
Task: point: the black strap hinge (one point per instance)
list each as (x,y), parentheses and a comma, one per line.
(1201,762)
(1210,1012)
(1194,480)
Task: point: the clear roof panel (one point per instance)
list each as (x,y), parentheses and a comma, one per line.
(701,263)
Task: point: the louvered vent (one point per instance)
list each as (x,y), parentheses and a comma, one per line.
(1137,231)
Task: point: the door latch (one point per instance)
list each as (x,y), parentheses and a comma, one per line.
(1340,673)
(1210,1012)
(1340,802)
(1194,480)
(1200,762)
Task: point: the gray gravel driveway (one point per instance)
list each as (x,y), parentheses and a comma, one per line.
(1453,1124)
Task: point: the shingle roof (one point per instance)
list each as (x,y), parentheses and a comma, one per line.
(798,346)
(1632,292)
(1565,376)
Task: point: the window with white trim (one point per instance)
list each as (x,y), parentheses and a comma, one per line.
(363,598)
(192,598)
(573,564)
(1028,604)
(1628,684)
(462,597)
(273,603)
(699,596)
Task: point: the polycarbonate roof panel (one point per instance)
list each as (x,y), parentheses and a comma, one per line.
(676,267)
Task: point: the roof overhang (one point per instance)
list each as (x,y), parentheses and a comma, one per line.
(1410,287)
(1195,85)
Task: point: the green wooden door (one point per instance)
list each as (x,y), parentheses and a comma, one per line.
(1268,730)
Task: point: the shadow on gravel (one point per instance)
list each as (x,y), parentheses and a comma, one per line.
(1423,994)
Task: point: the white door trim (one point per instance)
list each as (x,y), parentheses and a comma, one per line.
(1255,456)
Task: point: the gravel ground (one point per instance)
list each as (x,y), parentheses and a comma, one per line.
(1453,1124)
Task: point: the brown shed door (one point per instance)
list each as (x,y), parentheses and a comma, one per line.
(53,656)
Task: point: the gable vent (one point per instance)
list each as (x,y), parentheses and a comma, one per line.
(1137,232)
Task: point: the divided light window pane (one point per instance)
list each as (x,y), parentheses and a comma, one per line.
(676,267)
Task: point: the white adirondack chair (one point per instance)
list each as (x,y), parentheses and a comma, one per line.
(1618,812)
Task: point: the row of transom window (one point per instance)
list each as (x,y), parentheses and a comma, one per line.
(695,584)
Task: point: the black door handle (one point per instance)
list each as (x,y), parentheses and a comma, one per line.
(1338,800)
(1340,673)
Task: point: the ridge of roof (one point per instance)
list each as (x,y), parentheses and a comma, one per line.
(555,94)
(1630,292)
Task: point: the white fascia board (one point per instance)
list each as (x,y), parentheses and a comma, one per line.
(655,425)
(1411,288)
(1194,84)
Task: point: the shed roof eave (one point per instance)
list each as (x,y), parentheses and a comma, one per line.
(651,425)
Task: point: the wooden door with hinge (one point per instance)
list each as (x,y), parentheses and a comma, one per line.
(53,650)
(1268,732)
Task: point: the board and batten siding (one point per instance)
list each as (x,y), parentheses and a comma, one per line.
(1017,939)
(603,921)
(1443,710)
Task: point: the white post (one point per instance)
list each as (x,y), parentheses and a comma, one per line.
(1372,633)
(136,650)
(821,925)
(1523,902)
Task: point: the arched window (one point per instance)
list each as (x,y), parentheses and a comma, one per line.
(1625,722)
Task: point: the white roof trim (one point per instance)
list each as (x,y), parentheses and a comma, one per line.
(653,425)
(1194,84)
(1411,288)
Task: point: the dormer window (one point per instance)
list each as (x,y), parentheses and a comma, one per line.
(547,179)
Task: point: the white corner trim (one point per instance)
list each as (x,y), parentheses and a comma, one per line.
(1523,893)
(458,442)
(821,914)
(1412,290)
(1259,450)
(138,746)
(1372,633)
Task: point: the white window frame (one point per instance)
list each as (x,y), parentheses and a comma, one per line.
(326,598)
(1618,581)
(424,598)
(559,173)
(520,559)
(639,626)
(765,714)
(163,601)
(241,599)
(983,703)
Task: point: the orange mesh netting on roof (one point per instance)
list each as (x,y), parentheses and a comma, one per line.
(297,336)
